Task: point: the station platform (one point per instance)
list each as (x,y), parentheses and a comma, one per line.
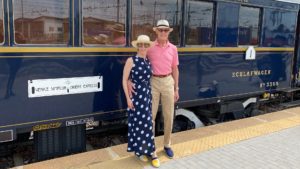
(269,141)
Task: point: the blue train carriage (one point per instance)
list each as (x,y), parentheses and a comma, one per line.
(61,62)
(250,54)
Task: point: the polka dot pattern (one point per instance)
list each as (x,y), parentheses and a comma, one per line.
(140,135)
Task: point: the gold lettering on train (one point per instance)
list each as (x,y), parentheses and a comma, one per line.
(46,126)
(251,73)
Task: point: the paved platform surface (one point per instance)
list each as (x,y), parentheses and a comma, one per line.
(269,141)
(278,150)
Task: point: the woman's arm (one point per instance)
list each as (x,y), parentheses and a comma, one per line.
(126,72)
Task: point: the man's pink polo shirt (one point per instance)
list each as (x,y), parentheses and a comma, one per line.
(163,59)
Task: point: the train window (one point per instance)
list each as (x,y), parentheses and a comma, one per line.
(104,22)
(38,21)
(199,23)
(227,24)
(145,14)
(1,23)
(249,26)
(279,28)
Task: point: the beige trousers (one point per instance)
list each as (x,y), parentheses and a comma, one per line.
(163,90)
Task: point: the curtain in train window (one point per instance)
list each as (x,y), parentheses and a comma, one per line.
(1,23)
(199,23)
(227,24)
(41,21)
(145,14)
(249,26)
(279,28)
(104,22)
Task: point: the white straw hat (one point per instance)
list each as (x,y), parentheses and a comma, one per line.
(162,24)
(141,39)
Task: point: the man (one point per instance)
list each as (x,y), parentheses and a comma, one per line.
(163,57)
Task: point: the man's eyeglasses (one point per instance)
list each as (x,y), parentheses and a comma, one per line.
(163,30)
(146,45)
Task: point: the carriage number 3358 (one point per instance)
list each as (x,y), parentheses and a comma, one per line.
(269,84)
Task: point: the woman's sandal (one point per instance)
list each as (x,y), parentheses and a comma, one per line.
(155,162)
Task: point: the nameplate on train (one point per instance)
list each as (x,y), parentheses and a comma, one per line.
(64,86)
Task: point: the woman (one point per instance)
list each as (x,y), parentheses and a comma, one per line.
(140,134)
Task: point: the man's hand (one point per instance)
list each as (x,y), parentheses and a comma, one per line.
(176,95)
(131,88)
(130,104)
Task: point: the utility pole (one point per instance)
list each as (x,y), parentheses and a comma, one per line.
(22,11)
(118,11)
(154,10)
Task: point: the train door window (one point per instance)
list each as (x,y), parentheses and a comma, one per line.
(279,28)
(145,14)
(249,26)
(104,22)
(1,23)
(227,24)
(34,18)
(199,23)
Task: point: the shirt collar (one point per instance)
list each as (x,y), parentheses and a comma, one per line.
(156,43)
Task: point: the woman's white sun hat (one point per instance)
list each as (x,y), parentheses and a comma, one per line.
(141,39)
(162,24)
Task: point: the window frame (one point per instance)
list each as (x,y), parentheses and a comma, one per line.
(71,27)
(217,19)
(260,24)
(103,45)
(264,21)
(213,27)
(181,24)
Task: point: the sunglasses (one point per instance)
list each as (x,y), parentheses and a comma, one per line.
(146,45)
(163,30)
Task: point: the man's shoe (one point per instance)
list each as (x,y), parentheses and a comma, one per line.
(169,152)
(155,162)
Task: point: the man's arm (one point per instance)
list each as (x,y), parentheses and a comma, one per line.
(130,87)
(175,74)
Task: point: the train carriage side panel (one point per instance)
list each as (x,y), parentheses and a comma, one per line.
(207,75)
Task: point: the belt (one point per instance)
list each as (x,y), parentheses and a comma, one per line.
(161,76)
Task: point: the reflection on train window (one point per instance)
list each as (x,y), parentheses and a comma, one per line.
(249,26)
(41,21)
(279,28)
(145,14)
(104,22)
(1,23)
(199,23)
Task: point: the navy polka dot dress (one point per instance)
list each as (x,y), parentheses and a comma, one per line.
(140,134)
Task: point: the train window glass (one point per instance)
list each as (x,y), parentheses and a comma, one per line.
(145,14)
(249,26)
(38,21)
(199,23)
(227,24)
(279,28)
(104,22)
(1,23)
